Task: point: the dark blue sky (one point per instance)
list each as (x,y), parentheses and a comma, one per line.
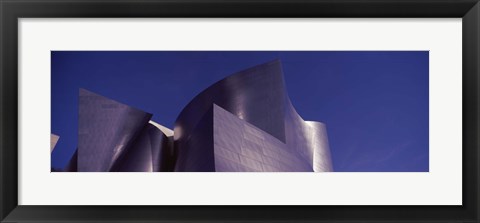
(374,103)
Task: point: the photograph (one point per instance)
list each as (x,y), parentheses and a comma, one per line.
(239,111)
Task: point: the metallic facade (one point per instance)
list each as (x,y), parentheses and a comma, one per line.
(243,123)
(255,128)
(241,146)
(116,137)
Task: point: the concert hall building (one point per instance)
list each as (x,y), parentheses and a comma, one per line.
(243,123)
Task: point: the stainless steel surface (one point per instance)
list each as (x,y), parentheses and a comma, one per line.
(241,147)
(255,128)
(243,123)
(148,152)
(106,129)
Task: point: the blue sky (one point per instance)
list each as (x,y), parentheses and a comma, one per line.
(374,103)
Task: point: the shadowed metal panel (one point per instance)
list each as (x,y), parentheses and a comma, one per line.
(150,152)
(106,129)
(242,147)
(73,163)
(196,152)
(254,95)
(144,155)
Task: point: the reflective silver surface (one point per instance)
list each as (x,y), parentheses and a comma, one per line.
(243,123)
(255,128)
(113,136)
(146,154)
(241,147)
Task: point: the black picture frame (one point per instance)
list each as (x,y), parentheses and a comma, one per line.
(12,10)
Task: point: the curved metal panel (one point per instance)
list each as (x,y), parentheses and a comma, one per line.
(196,153)
(255,127)
(148,153)
(245,122)
(322,161)
(106,129)
(254,95)
(242,147)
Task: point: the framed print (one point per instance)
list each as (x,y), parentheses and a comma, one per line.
(239,111)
